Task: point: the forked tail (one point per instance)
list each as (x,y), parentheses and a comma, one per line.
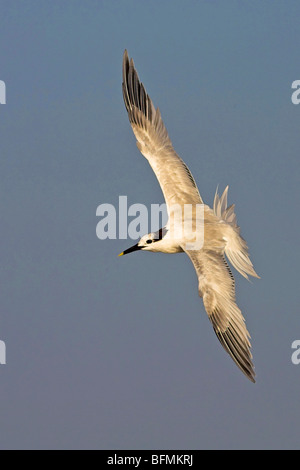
(236,248)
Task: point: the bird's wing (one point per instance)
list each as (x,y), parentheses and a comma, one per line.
(176,181)
(216,286)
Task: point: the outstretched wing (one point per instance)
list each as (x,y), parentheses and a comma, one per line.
(174,177)
(216,286)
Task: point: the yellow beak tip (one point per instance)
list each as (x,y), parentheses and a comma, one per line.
(121,254)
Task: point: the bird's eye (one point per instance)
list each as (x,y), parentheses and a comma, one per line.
(149,241)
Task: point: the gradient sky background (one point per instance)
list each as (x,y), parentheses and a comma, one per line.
(117,353)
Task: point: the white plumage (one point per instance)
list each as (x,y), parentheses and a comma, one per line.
(221,232)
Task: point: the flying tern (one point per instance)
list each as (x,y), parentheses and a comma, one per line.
(221,232)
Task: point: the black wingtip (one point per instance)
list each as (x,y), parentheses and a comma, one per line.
(134,93)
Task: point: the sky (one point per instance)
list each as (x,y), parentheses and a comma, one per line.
(105,352)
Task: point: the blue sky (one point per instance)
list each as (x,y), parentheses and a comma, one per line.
(117,353)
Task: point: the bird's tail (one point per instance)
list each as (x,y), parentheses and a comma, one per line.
(236,248)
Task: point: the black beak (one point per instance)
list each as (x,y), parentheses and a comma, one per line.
(130,250)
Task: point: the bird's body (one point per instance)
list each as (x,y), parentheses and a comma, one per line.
(206,235)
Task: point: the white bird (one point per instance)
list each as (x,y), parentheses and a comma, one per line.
(221,232)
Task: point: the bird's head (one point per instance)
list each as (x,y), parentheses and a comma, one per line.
(146,243)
